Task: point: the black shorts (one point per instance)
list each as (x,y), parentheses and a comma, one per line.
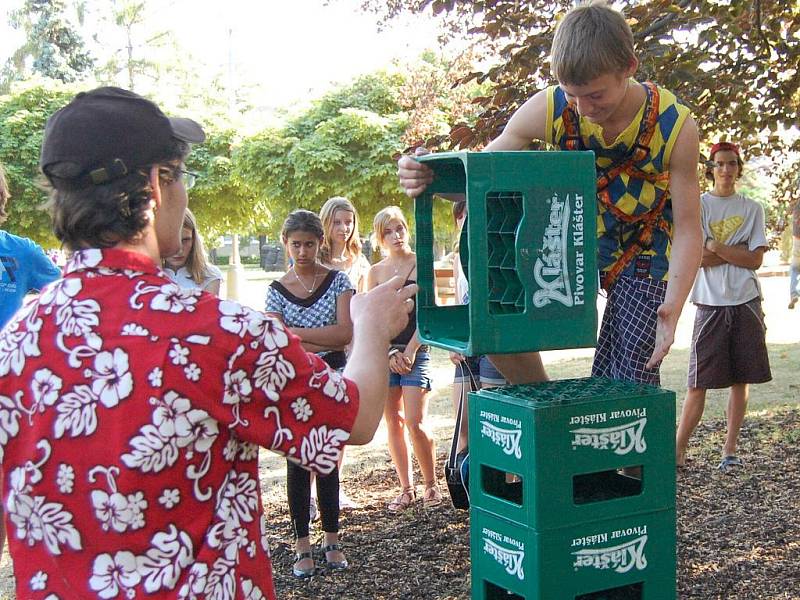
(728,346)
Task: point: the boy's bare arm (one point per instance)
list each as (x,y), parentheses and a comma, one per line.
(739,254)
(528,123)
(710,259)
(687,239)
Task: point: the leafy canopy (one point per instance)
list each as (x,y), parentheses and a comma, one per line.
(22,119)
(734,62)
(53,46)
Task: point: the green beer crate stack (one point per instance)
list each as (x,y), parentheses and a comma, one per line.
(572,488)
(572,482)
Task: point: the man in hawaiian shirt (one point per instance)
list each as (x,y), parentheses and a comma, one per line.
(131,410)
(24,268)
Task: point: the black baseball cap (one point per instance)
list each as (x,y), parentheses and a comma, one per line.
(106,133)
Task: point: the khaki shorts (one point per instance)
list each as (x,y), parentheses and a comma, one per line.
(728,346)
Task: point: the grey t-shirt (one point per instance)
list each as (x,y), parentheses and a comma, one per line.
(730,220)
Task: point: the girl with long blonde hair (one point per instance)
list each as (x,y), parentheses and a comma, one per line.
(341,247)
(410,365)
(190,268)
(341,250)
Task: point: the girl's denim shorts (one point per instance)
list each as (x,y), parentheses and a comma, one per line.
(420,375)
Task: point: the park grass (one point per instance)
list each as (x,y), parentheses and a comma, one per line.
(783,391)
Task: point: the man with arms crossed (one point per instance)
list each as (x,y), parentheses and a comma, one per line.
(729,347)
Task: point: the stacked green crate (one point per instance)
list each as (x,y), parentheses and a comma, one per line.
(572,487)
(531,242)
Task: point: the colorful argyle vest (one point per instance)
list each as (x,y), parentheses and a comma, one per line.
(633,197)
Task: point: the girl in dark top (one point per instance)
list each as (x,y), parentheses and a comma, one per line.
(409,362)
(314,301)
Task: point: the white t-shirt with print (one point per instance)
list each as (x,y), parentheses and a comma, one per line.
(730,220)
(184,279)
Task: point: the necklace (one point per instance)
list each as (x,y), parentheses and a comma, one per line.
(397,268)
(300,281)
(340,260)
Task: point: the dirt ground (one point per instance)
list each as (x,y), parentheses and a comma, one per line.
(738,534)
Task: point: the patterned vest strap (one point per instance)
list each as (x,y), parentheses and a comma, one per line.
(638,153)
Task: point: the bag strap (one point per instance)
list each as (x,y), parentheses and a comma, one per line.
(451,460)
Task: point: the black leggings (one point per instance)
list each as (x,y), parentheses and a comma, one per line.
(298,490)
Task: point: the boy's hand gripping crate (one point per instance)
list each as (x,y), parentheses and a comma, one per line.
(529,252)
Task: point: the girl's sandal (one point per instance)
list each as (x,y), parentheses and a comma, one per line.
(334,564)
(403,501)
(432,496)
(303,573)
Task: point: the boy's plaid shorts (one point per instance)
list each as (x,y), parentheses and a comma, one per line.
(628,332)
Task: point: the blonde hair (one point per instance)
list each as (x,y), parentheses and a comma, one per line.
(381,220)
(197,261)
(593,39)
(352,246)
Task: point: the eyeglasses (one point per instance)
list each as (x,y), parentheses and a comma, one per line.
(724,163)
(189,178)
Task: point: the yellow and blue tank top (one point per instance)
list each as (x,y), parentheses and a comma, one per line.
(632,195)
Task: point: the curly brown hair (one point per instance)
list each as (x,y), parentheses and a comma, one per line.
(102,216)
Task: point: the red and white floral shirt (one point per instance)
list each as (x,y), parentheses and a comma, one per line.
(131,412)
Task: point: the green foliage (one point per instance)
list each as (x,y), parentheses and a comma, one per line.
(23,115)
(220,201)
(52,44)
(342,146)
(734,62)
(376,92)
(346,144)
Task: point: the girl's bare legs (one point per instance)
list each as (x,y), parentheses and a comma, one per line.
(395,430)
(415,401)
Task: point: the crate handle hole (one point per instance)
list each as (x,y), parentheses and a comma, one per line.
(495,592)
(634,591)
(502,484)
(612,484)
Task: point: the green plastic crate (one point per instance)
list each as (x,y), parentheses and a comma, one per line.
(568,440)
(630,558)
(531,246)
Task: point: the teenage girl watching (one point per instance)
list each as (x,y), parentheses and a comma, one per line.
(341,247)
(190,267)
(341,250)
(409,363)
(314,301)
